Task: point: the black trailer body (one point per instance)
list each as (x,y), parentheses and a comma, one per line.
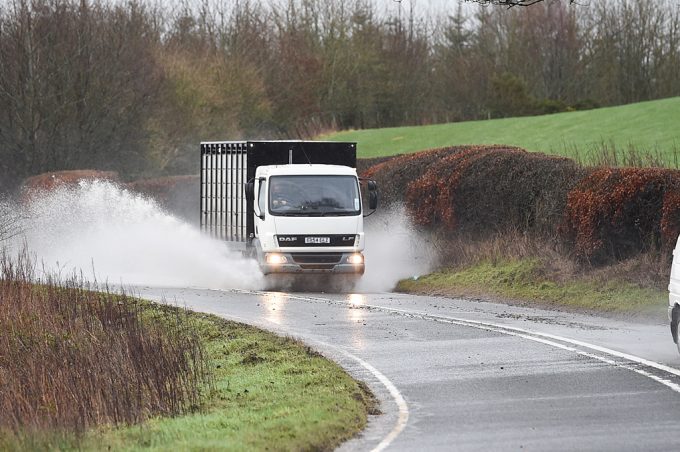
(226,167)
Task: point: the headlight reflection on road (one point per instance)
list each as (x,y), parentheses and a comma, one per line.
(357,317)
(274,304)
(357,299)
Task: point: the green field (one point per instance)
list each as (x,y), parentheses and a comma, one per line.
(646,128)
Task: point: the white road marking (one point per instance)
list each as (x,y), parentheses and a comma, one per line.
(530,335)
(402,420)
(394,392)
(544,338)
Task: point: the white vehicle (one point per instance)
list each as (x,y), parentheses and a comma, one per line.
(674,294)
(295,206)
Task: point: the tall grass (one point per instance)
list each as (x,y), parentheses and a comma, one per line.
(609,154)
(650,268)
(72,358)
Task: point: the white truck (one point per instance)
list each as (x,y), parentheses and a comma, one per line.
(295,206)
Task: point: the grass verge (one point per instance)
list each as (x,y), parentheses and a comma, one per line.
(640,134)
(527,281)
(269,393)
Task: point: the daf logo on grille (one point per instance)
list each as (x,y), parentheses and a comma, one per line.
(287,239)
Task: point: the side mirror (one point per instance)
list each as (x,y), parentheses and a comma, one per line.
(372,195)
(250,191)
(373,199)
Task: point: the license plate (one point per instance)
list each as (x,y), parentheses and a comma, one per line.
(318,240)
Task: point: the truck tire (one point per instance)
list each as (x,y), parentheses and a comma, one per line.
(258,255)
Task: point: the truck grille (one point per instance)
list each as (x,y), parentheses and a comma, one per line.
(324,261)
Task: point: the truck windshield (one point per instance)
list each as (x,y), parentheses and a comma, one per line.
(314,195)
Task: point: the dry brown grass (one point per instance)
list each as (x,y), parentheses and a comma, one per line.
(608,154)
(462,250)
(72,358)
(648,269)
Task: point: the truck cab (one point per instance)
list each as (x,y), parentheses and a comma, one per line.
(308,218)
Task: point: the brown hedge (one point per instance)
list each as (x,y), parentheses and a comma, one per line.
(489,188)
(512,188)
(429,198)
(363,164)
(166,189)
(603,213)
(394,175)
(179,195)
(616,212)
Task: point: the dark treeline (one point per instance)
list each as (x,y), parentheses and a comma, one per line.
(133,87)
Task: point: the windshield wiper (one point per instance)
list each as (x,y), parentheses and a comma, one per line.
(316,213)
(300,213)
(335,213)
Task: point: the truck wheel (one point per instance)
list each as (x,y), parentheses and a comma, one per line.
(257,253)
(249,253)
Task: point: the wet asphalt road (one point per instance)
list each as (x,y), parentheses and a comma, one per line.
(447,385)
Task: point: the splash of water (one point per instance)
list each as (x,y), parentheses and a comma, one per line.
(394,251)
(114,235)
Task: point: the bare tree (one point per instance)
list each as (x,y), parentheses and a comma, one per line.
(75,82)
(129,87)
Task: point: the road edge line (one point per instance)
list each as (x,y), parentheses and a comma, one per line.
(545,338)
(402,420)
(403,415)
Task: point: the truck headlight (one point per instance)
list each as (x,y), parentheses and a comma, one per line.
(355,259)
(275,259)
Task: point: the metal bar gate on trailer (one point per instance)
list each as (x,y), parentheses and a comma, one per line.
(223,201)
